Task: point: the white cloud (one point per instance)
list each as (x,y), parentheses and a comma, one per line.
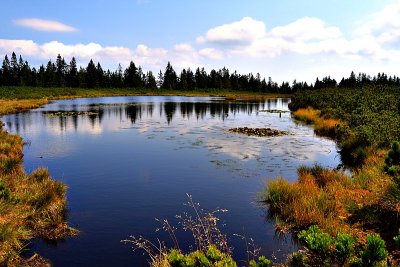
(24,47)
(211,53)
(306,36)
(241,32)
(44,25)
(384,25)
(306,29)
(183,47)
(182,56)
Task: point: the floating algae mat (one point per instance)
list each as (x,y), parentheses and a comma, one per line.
(258,131)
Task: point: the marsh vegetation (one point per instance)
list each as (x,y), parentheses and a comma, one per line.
(364,122)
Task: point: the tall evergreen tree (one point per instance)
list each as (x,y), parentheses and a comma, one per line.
(6,69)
(170,77)
(25,77)
(61,67)
(14,69)
(71,78)
(150,80)
(91,75)
(131,76)
(50,74)
(100,75)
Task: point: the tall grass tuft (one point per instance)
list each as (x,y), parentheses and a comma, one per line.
(30,205)
(324,126)
(211,245)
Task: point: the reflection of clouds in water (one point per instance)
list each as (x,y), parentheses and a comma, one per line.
(192,125)
(54,149)
(240,148)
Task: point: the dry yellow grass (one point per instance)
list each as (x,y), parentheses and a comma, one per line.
(31,205)
(331,199)
(322,126)
(13,106)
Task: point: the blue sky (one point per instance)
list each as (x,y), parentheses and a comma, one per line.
(284,39)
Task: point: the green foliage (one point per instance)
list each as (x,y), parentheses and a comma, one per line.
(261,262)
(344,248)
(4,191)
(397,239)
(392,161)
(297,259)
(374,251)
(318,242)
(9,165)
(325,250)
(212,257)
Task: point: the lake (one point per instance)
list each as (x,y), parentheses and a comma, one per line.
(130,160)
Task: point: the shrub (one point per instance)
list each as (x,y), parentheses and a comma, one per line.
(397,239)
(261,262)
(297,259)
(325,249)
(318,242)
(392,161)
(213,257)
(344,248)
(374,251)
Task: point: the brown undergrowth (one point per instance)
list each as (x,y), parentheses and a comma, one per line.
(31,205)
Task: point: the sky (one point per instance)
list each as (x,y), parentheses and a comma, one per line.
(284,40)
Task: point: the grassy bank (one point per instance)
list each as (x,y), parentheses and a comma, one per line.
(364,122)
(14,92)
(31,205)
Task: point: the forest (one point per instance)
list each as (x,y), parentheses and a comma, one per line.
(17,72)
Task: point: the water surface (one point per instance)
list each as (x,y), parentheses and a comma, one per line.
(129,160)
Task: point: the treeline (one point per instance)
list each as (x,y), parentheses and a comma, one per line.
(17,72)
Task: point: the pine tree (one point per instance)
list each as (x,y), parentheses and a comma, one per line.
(72,79)
(170,77)
(91,75)
(150,80)
(6,69)
(50,74)
(160,79)
(14,70)
(61,67)
(100,75)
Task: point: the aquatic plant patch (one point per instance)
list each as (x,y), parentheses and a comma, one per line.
(261,132)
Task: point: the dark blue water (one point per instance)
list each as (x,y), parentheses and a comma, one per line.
(133,159)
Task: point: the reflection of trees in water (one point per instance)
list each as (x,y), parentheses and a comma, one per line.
(135,112)
(186,109)
(169,110)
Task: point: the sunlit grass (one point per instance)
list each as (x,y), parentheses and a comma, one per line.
(335,201)
(13,106)
(322,126)
(31,205)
